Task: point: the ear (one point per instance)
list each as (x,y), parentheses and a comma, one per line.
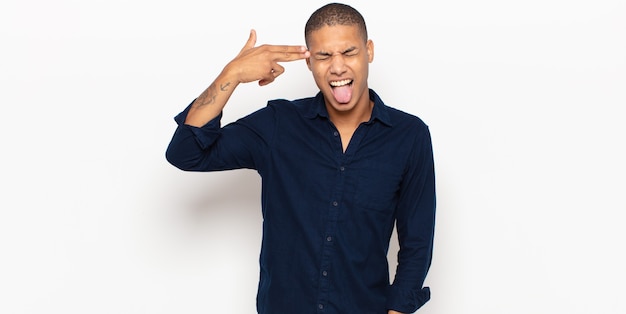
(370,50)
(308,63)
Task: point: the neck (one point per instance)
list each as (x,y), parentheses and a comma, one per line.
(352,118)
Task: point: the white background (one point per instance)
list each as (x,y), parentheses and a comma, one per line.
(525,101)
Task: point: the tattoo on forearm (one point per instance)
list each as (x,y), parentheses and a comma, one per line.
(224,87)
(209,95)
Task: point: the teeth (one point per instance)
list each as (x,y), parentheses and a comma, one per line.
(340,83)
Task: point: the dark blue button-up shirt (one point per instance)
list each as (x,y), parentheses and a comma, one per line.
(328,215)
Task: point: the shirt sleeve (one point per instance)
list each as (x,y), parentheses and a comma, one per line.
(241,144)
(415,223)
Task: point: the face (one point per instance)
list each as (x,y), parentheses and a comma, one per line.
(340,61)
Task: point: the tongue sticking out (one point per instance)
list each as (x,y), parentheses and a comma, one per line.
(342,94)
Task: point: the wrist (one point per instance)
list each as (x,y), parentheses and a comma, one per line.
(231,74)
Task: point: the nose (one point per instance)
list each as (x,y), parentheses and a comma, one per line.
(338,64)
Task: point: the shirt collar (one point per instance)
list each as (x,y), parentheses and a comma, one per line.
(380,111)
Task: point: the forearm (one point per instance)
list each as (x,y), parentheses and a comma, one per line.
(251,64)
(415,222)
(393,312)
(212,101)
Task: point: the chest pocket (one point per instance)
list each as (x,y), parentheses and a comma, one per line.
(377,187)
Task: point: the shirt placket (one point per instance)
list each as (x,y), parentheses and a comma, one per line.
(334,207)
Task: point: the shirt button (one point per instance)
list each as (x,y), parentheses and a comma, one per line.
(336,133)
(329,238)
(324,273)
(320,306)
(342,168)
(335,203)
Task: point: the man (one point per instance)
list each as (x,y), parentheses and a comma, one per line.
(338,170)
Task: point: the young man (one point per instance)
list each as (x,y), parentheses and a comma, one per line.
(338,170)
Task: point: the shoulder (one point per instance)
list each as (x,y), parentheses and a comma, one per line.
(399,119)
(407,123)
(294,102)
(300,107)
(403,117)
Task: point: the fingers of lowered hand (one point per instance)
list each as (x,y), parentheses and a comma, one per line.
(272,75)
(268,79)
(277,70)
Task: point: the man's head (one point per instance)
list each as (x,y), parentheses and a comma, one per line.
(335,14)
(336,37)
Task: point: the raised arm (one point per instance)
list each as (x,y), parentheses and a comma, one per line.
(251,64)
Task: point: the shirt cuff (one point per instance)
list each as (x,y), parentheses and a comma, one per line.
(407,301)
(205,135)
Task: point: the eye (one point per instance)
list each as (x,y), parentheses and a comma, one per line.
(322,56)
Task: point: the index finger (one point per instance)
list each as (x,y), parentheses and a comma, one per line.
(284,53)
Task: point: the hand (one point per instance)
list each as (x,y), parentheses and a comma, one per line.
(261,63)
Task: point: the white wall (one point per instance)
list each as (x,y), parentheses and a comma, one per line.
(525,100)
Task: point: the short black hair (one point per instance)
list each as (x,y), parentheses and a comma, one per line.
(335,14)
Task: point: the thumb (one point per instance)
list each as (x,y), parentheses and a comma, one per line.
(251,41)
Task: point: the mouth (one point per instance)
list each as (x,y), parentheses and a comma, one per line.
(342,90)
(341,83)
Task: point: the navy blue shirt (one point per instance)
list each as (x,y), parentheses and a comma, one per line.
(328,215)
